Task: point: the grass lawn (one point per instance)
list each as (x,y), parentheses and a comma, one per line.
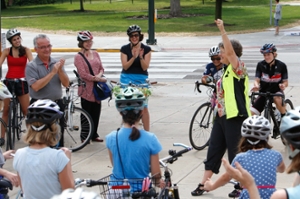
(103,16)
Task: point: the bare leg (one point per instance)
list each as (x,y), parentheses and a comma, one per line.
(5,116)
(24,101)
(146,119)
(207,174)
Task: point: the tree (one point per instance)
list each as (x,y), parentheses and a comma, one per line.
(175,9)
(3,5)
(81,6)
(218,12)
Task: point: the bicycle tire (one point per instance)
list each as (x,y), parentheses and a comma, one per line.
(289,104)
(19,121)
(5,145)
(10,128)
(73,137)
(199,134)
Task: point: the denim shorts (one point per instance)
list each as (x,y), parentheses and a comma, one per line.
(276,22)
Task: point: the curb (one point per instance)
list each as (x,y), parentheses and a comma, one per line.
(68,50)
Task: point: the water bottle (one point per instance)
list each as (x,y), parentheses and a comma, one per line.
(126,191)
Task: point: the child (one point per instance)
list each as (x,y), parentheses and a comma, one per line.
(290,131)
(256,156)
(43,171)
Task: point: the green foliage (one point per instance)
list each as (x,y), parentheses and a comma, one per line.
(103,16)
(33,2)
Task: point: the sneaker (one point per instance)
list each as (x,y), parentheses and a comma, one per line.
(198,191)
(234,194)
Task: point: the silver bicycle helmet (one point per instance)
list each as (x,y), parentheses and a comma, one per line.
(11,33)
(84,36)
(4,92)
(44,111)
(79,193)
(133,28)
(290,129)
(214,51)
(257,127)
(130,98)
(268,48)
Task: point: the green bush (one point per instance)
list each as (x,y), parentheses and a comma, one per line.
(33,2)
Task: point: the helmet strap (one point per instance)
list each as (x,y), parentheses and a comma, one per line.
(270,63)
(292,154)
(133,45)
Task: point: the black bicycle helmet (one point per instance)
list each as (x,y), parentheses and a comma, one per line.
(44,111)
(133,28)
(290,129)
(257,127)
(11,33)
(268,48)
(130,98)
(84,36)
(214,51)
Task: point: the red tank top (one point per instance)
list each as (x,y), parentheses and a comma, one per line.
(16,67)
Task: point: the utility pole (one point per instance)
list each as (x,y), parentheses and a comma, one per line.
(151,30)
(270,12)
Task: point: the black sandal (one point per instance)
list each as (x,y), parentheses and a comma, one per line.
(198,191)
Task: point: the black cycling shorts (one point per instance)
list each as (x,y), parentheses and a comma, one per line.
(20,86)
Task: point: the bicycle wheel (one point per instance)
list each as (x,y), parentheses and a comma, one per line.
(5,145)
(19,120)
(78,128)
(11,130)
(201,126)
(288,104)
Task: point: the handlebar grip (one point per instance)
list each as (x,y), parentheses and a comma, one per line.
(91,183)
(77,75)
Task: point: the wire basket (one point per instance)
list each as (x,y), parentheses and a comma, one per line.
(128,188)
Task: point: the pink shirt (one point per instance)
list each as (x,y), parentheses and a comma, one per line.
(84,72)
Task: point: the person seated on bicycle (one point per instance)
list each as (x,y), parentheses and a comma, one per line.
(42,170)
(271,76)
(17,57)
(213,70)
(132,150)
(255,156)
(290,131)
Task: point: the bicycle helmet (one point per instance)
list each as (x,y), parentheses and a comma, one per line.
(268,48)
(257,127)
(11,33)
(133,28)
(214,51)
(79,193)
(44,111)
(4,92)
(130,98)
(290,129)
(84,36)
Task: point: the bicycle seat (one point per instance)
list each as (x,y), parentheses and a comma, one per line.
(5,185)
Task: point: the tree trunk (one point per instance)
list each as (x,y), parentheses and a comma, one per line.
(3,5)
(81,6)
(175,9)
(218,14)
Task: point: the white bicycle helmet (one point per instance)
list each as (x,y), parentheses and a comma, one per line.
(84,36)
(130,98)
(290,129)
(4,92)
(257,127)
(44,111)
(11,33)
(214,51)
(79,193)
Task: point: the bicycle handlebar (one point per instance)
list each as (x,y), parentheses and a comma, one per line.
(88,182)
(268,95)
(134,85)
(79,80)
(173,155)
(198,84)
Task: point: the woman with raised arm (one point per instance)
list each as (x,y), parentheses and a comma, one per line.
(17,57)
(135,58)
(43,171)
(132,150)
(232,108)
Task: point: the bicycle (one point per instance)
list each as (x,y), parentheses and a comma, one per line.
(202,120)
(15,117)
(139,188)
(5,186)
(78,122)
(270,108)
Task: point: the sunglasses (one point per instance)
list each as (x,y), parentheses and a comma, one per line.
(213,59)
(134,35)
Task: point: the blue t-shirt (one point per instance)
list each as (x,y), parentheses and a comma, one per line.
(135,155)
(38,170)
(293,192)
(211,70)
(262,165)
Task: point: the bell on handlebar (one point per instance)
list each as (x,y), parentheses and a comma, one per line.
(172,152)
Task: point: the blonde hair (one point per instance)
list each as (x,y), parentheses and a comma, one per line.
(48,137)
